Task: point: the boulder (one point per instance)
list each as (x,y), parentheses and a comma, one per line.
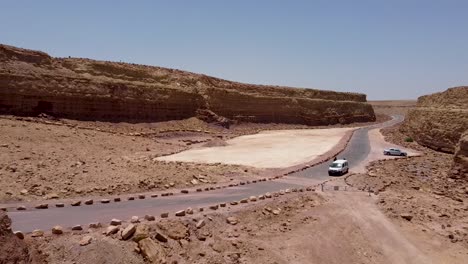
(57,230)
(151,251)
(112,230)
(115,222)
(160,237)
(142,231)
(77,228)
(180,213)
(128,231)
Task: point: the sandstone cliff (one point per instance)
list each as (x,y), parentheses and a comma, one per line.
(460,160)
(439,119)
(32,82)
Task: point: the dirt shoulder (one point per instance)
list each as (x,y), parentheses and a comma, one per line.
(418,193)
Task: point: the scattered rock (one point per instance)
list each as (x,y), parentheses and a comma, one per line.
(160,237)
(128,231)
(244,201)
(112,230)
(150,218)
(57,230)
(189,211)
(24,192)
(134,219)
(233,203)
(253,198)
(76,203)
(86,240)
(141,196)
(200,224)
(214,207)
(276,212)
(232,220)
(152,251)
(164,215)
(117,199)
(77,228)
(21,208)
(406,216)
(52,196)
(19,234)
(95,225)
(115,222)
(42,206)
(105,201)
(268,195)
(37,233)
(60,205)
(89,202)
(180,213)
(141,232)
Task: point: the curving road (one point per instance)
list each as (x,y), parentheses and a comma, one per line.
(356,152)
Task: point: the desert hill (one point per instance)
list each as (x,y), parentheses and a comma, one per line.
(32,82)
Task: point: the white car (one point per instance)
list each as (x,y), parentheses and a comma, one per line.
(338,167)
(394,152)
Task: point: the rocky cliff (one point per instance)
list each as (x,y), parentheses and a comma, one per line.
(32,82)
(460,160)
(439,119)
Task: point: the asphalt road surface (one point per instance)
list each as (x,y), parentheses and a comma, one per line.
(29,220)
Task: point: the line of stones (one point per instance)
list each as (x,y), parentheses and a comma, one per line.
(114,223)
(76,203)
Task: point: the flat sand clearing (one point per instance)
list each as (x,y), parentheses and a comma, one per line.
(268,149)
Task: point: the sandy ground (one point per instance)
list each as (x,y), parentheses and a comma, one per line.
(43,161)
(268,149)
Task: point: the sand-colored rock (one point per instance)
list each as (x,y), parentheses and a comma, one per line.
(439,119)
(460,160)
(152,251)
(32,82)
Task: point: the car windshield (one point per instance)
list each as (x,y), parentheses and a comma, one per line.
(335,165)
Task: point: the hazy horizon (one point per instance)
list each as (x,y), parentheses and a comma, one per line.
(387,50)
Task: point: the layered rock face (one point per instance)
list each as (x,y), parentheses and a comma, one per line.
(32,82)
(439,119)
(460,160)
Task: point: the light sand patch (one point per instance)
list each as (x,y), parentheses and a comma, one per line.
(268,149)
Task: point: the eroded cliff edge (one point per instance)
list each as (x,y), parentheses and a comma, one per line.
(439,119)
(460,159)
(32,82)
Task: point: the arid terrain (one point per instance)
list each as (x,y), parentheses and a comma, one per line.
(85,130)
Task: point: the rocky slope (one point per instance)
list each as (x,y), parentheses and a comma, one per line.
(12,248)
(32,82)
(439,119)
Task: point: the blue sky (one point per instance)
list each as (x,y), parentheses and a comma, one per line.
(388,49)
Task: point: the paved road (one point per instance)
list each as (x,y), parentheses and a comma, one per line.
(26,221)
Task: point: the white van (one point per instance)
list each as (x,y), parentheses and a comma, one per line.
(338,167)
